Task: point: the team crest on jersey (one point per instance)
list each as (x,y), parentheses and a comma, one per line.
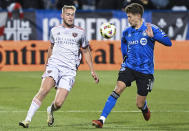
(143,41)
(74,34)
(49,71)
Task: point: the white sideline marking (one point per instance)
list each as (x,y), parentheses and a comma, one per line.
(78,111)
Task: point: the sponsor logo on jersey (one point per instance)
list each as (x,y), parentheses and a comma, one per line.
(133,42)
(143,41)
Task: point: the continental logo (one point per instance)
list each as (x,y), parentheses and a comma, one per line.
(22,55)
(32,55)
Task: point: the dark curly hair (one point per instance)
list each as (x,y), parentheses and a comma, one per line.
(134,8)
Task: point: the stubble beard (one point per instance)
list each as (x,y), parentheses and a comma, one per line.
(69,25)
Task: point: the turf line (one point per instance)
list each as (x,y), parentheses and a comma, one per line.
(80,111)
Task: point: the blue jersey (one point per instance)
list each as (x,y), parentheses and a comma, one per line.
(138,48)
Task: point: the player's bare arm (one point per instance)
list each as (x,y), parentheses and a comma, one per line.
(49,53)
(88,57)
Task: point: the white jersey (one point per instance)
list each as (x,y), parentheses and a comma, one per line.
(67,43)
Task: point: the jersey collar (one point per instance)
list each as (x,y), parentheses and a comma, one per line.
(140,29)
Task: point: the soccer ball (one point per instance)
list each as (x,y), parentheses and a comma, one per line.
(107,30)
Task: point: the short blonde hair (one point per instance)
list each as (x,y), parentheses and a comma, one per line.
(68,7)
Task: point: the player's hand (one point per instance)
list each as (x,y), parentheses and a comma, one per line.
(149,30)
(95,77)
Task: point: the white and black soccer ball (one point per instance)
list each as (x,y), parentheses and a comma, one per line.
(107,30)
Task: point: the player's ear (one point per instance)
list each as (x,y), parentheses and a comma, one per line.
(61,15)
(140,15)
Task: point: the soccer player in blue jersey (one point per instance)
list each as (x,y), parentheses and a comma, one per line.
(137,46)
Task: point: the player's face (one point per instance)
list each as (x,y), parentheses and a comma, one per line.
(133,19)
(68,17)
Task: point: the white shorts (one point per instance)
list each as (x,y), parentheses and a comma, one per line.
(63,77)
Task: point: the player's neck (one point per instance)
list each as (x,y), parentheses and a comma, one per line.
(139,24)
(67,26)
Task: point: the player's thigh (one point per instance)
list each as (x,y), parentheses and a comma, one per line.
(47,83)
(144,83)
(61,95)
(51,76)
(125,77)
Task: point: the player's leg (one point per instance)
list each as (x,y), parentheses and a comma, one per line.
(144,85)
(110,103)
(124,80)
(141,103)
(112,99)
(60,97)
(64,86)
(46,84)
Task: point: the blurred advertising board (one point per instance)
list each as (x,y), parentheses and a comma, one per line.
(174,24)
(17,29)
(36,24)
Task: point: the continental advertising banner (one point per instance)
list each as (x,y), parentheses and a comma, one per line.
(23,55)
(31,55)
(106,55)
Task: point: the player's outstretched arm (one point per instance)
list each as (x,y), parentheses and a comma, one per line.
(49,53)
(158,35)
(88,58)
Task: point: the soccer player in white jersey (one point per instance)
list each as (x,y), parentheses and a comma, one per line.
(63,60)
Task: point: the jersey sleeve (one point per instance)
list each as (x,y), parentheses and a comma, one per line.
(84,41)
(124,46)
(160,36)
(51,37)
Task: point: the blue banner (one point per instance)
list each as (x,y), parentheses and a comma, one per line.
(37,23)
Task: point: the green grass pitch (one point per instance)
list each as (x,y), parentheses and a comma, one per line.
(168,101)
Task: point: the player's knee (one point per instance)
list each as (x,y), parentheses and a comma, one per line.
(139,105)
(58,104)
(119,90)
(120,87)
